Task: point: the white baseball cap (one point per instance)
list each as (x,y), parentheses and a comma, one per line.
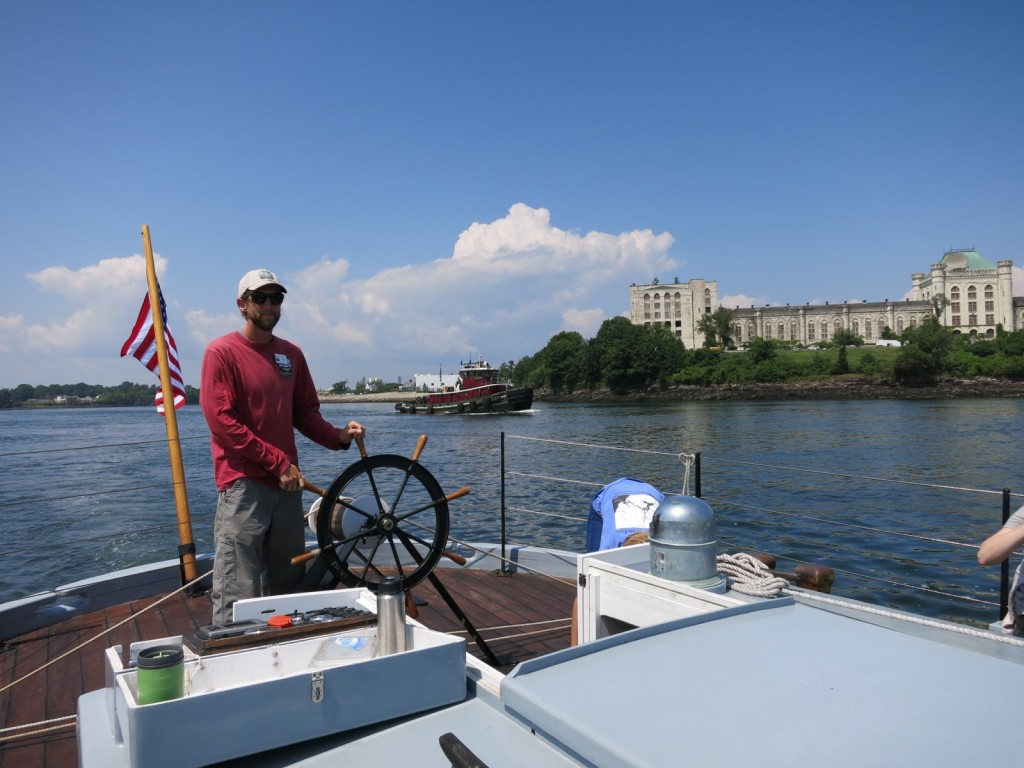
(256,279)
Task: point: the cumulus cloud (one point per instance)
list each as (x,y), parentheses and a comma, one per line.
(503,291)
(113,278)
(584,321)
(507,287)
(740,300)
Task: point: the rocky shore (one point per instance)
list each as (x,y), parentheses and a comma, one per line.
(831,389)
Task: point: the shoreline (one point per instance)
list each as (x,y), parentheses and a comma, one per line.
(845,389)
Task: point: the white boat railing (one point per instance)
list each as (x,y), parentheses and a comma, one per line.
(530,491)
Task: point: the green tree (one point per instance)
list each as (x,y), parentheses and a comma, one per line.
(761,350)
(842,363)
(844,337)
(340,387)
(717,328)
(564,360)
(610,354)
(924,353)
(659,356)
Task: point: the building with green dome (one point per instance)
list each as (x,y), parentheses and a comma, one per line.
(964,290)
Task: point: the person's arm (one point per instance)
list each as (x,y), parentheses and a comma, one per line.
(1000,545)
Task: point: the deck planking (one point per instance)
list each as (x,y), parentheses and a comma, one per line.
(520,616)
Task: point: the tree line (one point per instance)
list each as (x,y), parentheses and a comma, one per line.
(54,395)
(624,357)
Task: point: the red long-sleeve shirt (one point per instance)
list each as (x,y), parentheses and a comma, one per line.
(254,397)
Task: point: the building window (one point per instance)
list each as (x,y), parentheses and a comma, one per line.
(867,329)
(767,330)
(990,319)
(972,318)
(913,322)
(824,330)
(810,331)
(855,327)
(899,325)
(782,330)
(956,319)
(750,331)
(792,331)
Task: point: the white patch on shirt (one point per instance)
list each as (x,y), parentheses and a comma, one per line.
(284,365)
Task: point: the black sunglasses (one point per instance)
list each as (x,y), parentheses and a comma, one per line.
(261,298)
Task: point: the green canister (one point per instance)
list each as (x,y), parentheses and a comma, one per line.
(161,673)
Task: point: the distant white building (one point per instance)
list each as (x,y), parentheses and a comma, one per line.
(970,294)
(434,382)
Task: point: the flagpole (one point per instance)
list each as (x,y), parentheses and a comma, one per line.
(187,547)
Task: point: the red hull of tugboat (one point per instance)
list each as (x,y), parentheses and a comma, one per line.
(478,391)
(493,399)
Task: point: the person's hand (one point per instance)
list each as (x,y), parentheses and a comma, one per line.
(291,480)
(352,431)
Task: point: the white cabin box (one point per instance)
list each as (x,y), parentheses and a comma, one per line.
(246,701)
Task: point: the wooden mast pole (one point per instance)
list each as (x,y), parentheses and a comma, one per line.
(187,547)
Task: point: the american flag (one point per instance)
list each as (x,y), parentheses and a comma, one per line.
(142,346)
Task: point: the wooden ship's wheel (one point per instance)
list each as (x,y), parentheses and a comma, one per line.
(385,515)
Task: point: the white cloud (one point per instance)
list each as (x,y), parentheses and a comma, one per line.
(508,286)
(585,321)
(505,289)
(111,278)
(741,300)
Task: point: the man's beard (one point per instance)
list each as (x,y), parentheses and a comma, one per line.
(265,322)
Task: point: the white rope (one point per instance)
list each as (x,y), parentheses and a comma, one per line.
(749,576)
(56,724)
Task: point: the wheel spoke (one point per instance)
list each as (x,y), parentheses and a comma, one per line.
(352,540)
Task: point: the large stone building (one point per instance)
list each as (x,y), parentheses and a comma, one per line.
(969,293)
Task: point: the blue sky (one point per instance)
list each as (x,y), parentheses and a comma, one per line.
(440,181)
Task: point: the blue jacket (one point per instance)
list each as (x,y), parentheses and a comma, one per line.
(619,510)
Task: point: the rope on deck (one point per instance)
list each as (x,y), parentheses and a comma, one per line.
(752,577)
(68,721)
(748,575)
(104,633)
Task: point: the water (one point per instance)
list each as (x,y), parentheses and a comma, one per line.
(89,490)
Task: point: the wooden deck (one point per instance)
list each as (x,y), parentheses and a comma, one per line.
(519,617)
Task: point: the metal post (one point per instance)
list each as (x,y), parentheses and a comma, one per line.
(696,474)
(1004,568)
(504,568)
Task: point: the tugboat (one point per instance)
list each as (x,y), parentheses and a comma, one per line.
(477,391)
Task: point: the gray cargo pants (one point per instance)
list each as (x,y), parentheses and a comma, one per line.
(257,531)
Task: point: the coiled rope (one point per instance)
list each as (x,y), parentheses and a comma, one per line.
(749,576)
